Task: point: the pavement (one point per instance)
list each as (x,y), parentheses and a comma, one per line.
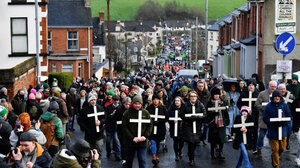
(202,155)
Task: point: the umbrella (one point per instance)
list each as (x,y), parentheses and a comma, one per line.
(227,83)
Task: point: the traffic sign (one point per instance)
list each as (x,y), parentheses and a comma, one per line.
(285,43)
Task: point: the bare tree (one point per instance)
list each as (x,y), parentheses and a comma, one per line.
(108,40)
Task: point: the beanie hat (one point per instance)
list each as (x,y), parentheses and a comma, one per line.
(54,84)
(196,76)
(33,91)
(155,97)
(3,90)
(56,94)
(25,121)
(110,92)
(215,91)
(137,99)
(54,107)
(39,95)
(92,97)
(45,85)
(4,146)
(72,90)
(276,93)
(31,96)
(116,97)
(245,108)
(184,89)
(3,111)
(295,77)
(27,136)
(81,148)
(251,81)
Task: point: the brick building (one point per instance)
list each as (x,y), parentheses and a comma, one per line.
(18,44)
(70,37)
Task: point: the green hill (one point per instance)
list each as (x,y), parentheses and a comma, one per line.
(127,9)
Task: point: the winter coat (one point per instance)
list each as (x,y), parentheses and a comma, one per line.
(118,117)
(74,100)
(204,96)
(130,130)
(160,123)
(187,122)
(245,94)
(271,111)
(88,123)
(65,159)
(39,135)
(294,89)
(296,116)
(43,158)
(63,111)
(171,122)
(34,110)
(215,133)
(263,96)
(59,132)
(111,122)
(19,105)
(238,139)
(3,96)
(5,130)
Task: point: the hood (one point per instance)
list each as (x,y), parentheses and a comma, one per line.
(276,93)
(48,116)
(43,103)
(65,160)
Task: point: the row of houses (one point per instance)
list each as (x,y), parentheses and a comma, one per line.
(241,43)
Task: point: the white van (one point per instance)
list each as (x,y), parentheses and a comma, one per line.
(187,73)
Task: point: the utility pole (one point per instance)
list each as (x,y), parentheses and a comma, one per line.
(206,34)
(126,54)
(197,38)
(37,43)
(108,40)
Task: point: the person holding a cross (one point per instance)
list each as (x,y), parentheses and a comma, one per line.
(92,118)
(137,127)
(192,118)
(175,111)
(159,116)
(217,120)
(277,115)
(296,126)
(243,128)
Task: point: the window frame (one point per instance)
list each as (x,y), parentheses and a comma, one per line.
(11,35)
(62,67)
(54,65)
(77,39)
(49,39)
(80,69)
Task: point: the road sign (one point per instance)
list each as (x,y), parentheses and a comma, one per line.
(285,43)
(285,16)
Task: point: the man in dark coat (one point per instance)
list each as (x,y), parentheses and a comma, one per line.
(89,124)
(19,103)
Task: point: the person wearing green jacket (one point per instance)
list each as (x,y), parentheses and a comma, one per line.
(132,141)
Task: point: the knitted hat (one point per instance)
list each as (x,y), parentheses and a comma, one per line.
(110,92)
(33,91)
(4,146)
(215,91)
(54,107)
(155,97)
(27,136)
(39,95)
(3,90)
(25,121)
(137,99)
(45,85)
(245,108)
(184,89)
(92,98)
(31,96)
(3,111)
(116,97)
(251,81)
(72,90)
(56,94)
(295,77)
(81,148)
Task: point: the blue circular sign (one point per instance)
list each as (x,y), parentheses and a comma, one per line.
(285,43)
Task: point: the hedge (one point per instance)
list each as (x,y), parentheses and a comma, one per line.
(65,79)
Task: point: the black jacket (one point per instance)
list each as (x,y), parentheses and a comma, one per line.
(171,122)
(245,94)
(111,122)
(187,122)
(239,134)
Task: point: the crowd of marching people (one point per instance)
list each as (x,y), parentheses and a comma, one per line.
(134,114)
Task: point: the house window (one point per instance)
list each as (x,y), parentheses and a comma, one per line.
(79,69)
(72,40)
(67,67)
(19,35)
(53,67)
(49,41)
(211,47)
(211,35)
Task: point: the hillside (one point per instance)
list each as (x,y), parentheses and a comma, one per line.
(127,9)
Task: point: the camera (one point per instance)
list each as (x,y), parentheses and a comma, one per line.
(18,124)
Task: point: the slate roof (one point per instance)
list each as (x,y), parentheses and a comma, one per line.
(98,32)
(69,13)
(249,41)
(179,23)
(214,27)
(245,8)
(222,21)
(236,46)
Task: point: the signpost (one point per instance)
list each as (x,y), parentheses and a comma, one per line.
(285,16)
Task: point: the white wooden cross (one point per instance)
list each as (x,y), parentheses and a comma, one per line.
(96,114)
(280,118)
(297,109)
(244,125)
(119,122)
(194,114)
(265,103)
(250,100)
(287,98)
(156,117)
(217,107)
(176,118)
(140,120)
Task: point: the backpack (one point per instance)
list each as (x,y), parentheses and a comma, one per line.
(48,128)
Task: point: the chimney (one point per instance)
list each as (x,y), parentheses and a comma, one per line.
(101,16)
(87,3)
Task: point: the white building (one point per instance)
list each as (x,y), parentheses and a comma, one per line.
(213,40)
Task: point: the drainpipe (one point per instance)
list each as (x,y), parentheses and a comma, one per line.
(257,36)
(89,51)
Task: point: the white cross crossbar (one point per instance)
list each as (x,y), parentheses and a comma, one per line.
(245,125)
(96,114)
(194,114)
(250,100)
(119,122)
(176,118)
(217,107)
(280,118)
(139,121)
(287,98)
(156,117)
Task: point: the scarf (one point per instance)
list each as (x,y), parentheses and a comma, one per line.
(219,118)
